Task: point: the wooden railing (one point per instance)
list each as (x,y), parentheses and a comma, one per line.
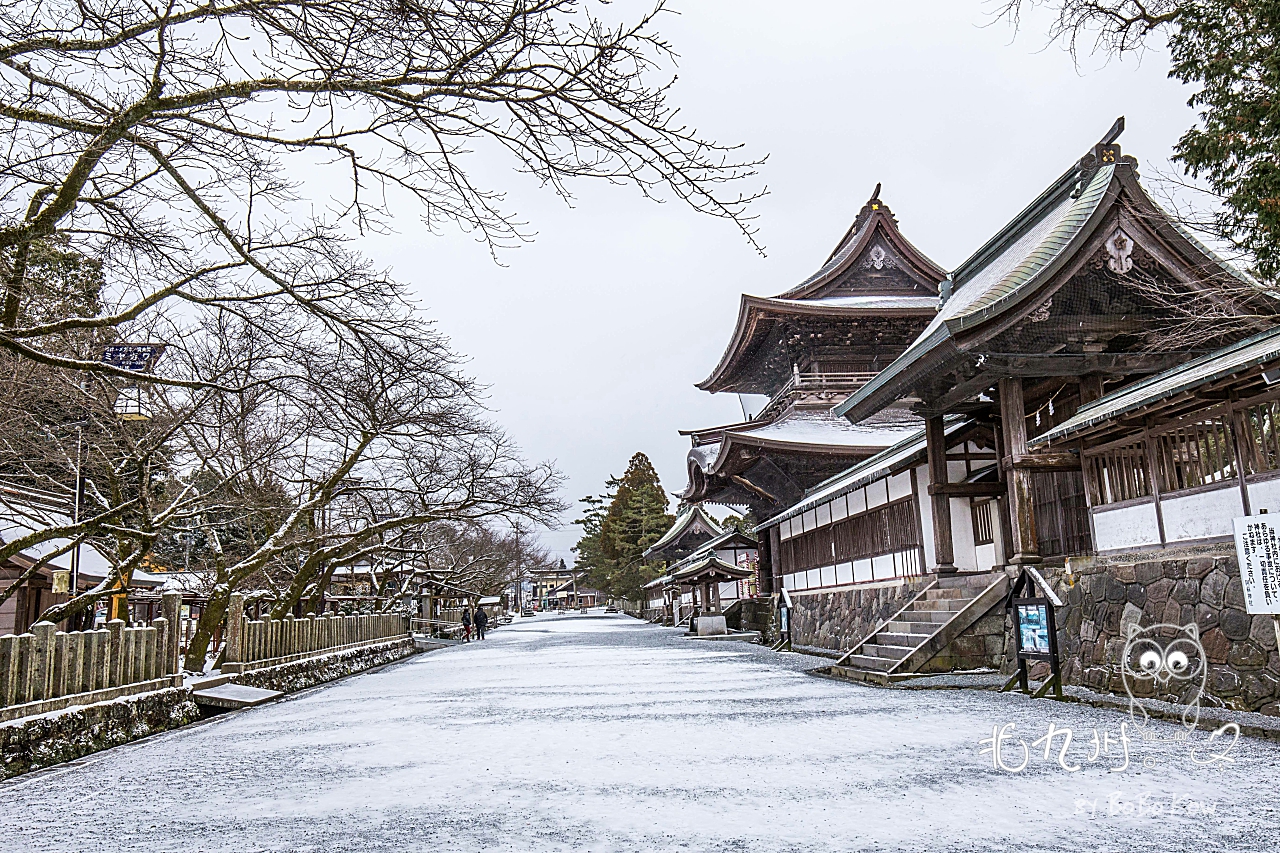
(48,670)
(254,644)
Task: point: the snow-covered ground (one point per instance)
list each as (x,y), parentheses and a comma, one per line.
(602,733)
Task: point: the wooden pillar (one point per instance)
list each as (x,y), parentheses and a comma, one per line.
(1090,387)
(936,445)
(1022,517)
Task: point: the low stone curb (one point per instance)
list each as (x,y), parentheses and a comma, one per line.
(31,743)
(55,737)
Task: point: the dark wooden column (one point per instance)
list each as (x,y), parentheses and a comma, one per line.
(1090,387)
(936,446)
(1022,514)
(775,560)
(764,564)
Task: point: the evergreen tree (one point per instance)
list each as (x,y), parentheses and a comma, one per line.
(619,526)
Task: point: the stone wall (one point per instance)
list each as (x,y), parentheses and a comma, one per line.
(31,743)
(753,614)
(838,620)
(301,674)
(986,644)
(1103,597)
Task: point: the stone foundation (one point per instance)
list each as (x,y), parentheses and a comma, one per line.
(838,620)
(31,743)
(986,644)
(1103,597)
(301,674)
(753,614)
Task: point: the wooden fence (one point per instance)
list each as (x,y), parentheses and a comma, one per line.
(48,670)
(254,644)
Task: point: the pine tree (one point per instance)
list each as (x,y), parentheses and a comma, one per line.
(619,526)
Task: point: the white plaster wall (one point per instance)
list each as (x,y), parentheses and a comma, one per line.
(823,515)
(862,570)
(1202,515)
(844,574)
(899,485)
(729,591)
(1264,495)
(962,534)
(810,520)
(925,506)
(986,556)
(882,567)
(857,501)
(1127,527)
(877,494)
(839,509)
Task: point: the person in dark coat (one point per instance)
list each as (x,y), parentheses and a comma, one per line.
(466,624)
(482,621)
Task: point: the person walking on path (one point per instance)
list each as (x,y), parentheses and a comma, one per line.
(466,624)
(482,620)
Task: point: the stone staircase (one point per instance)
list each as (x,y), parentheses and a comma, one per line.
(922,629)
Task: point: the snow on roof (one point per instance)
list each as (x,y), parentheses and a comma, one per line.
(876,468)
(868,301)
(823,427)
(691,516)
(983,285)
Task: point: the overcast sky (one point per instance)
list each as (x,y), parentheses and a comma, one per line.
(591,337)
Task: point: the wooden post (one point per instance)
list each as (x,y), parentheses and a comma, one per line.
(171,607)
(1090,387)
(1022,514)
(936,447)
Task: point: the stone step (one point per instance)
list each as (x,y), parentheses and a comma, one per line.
(940,594)
(889,652)
(867,662)
(905,626)
(968,580)
(933,617)
(890,638)
(945,604)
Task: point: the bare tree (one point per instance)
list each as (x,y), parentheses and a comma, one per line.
(1113,26)
(169,143)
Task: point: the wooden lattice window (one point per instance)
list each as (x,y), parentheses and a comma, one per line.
(1194,454)
(983,530)
(1118,473)
(1261,447)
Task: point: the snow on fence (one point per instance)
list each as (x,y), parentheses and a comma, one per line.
(48,670)
(255,644)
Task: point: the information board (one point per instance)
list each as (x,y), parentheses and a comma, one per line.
(1258,551)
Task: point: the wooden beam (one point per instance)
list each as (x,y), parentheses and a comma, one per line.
(968,490)
(1047,461)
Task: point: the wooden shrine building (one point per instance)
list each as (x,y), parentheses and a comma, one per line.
(1053,312)
(806,350)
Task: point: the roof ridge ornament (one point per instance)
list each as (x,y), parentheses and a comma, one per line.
(1105,153)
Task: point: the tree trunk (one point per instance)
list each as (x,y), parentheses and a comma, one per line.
(210,617)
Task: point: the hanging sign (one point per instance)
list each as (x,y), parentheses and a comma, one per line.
(136,357)
(1258,552)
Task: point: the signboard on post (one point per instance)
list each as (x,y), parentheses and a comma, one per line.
(1258,552)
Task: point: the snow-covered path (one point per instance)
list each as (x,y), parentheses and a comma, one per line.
(605,734)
